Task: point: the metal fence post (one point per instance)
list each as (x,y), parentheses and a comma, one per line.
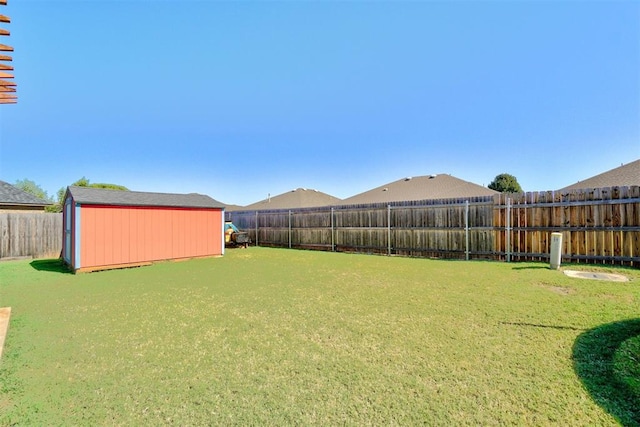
(507,231)
(466,230)
(256,228)
(333,241)
(389,230)
(289,228)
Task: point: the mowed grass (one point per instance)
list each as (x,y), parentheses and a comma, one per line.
(277,337)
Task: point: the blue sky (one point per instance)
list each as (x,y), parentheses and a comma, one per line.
(239,99)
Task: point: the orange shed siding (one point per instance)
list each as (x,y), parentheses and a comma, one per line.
(113,235)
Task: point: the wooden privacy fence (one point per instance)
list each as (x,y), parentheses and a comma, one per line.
(452,228)
(30,234)
(598,225)
(426,228)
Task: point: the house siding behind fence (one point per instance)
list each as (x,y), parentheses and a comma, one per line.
(598,226)
(30,234)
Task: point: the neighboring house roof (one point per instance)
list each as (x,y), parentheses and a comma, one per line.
(101,196)
(621,176)
(298,198)
(429,187)
(11,195)
(231,208)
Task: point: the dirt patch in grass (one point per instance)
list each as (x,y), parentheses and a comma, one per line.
(561,290)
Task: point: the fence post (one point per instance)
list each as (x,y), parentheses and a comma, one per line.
(389,230)
(257,228)
(466,230)
(333,241)
(289,228)
(507,230)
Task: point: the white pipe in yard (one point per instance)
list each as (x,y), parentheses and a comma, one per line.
(556,250)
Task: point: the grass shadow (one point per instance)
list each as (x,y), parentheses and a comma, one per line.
(536,325)
(598,364)
(53,265)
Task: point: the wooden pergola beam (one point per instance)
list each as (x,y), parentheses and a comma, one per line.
(7,87)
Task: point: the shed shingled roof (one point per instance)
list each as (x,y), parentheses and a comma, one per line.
(428,187)
(625,175)
(12,195)
(101,196)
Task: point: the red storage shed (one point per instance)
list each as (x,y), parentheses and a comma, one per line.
(106,229)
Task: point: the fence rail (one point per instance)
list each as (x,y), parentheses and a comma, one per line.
(28,234)
(598,226)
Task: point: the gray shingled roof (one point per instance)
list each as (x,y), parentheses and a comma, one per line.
(12,195)
(298,198)
(233,208)
(101,196)
(429,187)
(621,176)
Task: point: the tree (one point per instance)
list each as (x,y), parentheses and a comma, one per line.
(32,188)
(505,183)
(83,182)
(108,186)
(57,207)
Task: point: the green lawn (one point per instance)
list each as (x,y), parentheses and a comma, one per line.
(275,336)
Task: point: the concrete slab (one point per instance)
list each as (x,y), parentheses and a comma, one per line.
(5,314)
(596,276)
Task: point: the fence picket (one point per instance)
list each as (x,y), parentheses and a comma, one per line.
(30,234)
(598,225)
